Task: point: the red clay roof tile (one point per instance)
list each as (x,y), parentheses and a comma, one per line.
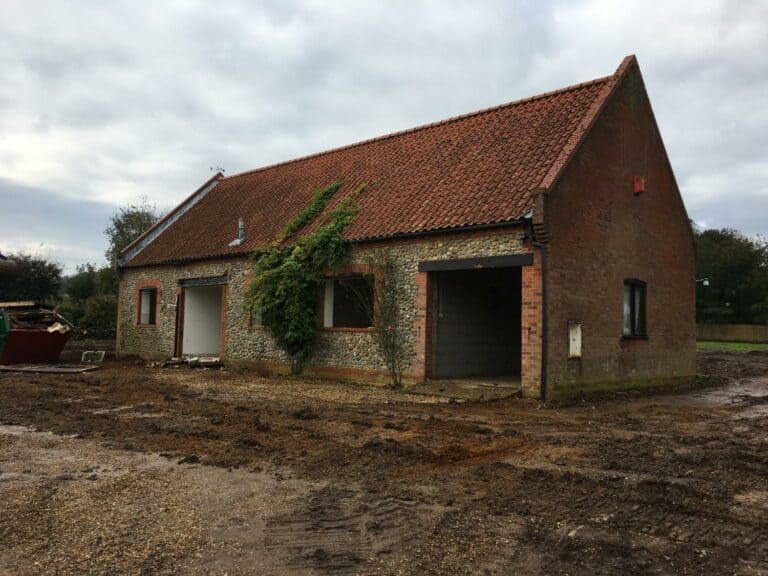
(480,168)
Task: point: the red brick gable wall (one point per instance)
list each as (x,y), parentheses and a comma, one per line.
(601,233)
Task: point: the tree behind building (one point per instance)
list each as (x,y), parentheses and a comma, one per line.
(129,223)
(737,269)
(33,278)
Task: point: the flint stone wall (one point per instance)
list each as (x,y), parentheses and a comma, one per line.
(338,348)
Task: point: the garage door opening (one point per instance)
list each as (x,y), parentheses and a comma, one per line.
(476,317)
(201,321)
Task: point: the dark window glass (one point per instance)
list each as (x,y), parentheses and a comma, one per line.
(147,305)
(634,308)
(352,302)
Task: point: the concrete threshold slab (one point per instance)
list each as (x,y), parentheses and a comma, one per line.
(49,368)
(469,388)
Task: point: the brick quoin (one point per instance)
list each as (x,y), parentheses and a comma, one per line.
(531,327)
(422,342)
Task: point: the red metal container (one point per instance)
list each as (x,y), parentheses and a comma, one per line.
(33,346)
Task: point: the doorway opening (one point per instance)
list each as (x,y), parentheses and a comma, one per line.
(476,324)
(200,322)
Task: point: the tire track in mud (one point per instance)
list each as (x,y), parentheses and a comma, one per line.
(337,530)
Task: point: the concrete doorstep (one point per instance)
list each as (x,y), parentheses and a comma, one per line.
(463,389)
(49,368)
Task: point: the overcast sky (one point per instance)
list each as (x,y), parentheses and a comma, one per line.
(102,103)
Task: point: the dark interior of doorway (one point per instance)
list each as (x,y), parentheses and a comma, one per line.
(476,317)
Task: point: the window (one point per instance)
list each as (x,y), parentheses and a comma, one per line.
(147,306)
(348,302)
(634,308)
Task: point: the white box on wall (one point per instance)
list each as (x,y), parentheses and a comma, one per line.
(574,340)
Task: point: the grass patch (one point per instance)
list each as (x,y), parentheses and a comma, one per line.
(731,346)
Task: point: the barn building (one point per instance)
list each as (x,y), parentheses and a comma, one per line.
(543,242)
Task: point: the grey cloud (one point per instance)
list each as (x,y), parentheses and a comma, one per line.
(68,231)
(142,101)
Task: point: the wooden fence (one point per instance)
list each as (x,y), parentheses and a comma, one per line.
(732,332)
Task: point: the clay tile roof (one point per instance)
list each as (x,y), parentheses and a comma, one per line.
(475,169)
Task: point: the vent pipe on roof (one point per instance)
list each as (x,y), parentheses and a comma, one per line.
(240,233)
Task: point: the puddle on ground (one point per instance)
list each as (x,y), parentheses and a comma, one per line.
(753,412)
(750,394)
(145,415)
(111,410)
(14,430)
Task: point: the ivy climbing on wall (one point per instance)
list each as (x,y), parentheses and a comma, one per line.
(286,278)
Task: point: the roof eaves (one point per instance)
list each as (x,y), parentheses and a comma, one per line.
(190,259)
(361,240)
(439,230)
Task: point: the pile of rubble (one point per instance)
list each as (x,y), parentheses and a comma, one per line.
(35,316)
(31,332)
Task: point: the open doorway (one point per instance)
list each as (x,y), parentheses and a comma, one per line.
(200,321)
(476,316)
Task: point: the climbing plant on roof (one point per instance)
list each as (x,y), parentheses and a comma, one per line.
(320,200)
(288,274)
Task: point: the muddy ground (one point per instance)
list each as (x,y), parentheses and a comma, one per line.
(172,471)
